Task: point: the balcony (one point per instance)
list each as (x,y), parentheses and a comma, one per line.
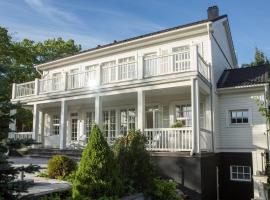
(100,76)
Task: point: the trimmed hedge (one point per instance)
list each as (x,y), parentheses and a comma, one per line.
(61,166)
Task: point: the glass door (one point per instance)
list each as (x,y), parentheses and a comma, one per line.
(153,117)
(74,121)
(109,124)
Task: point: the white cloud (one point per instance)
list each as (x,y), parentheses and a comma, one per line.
(56,15)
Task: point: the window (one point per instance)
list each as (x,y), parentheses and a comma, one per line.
(240,173)
(127,68)
(183,114)
(127,120)
(55,124)
(150,64)
(89,122)
(90,74)
(56,81)
(181,58)
(109,71)
(239,116)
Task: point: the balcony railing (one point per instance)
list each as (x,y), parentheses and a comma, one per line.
(185,61)
(51,85)
(82,79)
(20,135)
(121,72)
(168,64)
(169,139)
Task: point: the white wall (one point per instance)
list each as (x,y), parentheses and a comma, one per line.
(240,137)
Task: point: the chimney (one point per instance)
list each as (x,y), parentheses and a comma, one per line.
(212,12)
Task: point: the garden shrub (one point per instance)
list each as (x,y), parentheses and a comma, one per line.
(97,174)
(165,190)
(61,166)
(134,162)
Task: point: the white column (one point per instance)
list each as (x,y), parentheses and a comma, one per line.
(42,119)
(98,111)
(35,121)
(141,109)
(12,124)
(193,114)
(13,90)
(63,124)
(198,150)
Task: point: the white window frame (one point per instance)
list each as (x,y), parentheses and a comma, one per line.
(239,125)
(92,116)
(128,122)
(55,126)
(237,173)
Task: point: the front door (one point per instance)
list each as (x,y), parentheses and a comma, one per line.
(153,117)
(74,121)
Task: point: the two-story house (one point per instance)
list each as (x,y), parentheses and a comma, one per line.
(180,86)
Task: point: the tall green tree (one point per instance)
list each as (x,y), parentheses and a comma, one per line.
(17,60)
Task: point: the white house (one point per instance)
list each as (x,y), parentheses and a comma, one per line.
(186,74)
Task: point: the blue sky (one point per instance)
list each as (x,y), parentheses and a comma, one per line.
(91,22)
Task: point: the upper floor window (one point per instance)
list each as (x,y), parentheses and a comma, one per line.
(240,173)
(181,58)
(91,67)
(127,59)
(239,116)
(127,68)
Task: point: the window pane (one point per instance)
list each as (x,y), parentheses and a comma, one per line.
(234,169)
(234,175)
(240,176)
(246,170)
(247,176)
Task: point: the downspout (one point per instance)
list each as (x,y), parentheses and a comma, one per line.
(39,71)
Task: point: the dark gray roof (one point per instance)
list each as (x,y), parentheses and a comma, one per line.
(244,76)
(147,35)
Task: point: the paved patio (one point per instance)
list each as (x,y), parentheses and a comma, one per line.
(41,185)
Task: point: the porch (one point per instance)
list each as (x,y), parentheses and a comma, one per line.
(172,119)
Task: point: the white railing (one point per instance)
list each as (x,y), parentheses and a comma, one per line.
(121,72)
(177,62)
(169,139)
(25,89)
(205,139)
(203,67)
(82,79)
(20,135)
(51,84)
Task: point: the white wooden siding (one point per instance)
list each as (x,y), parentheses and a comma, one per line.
(240,137)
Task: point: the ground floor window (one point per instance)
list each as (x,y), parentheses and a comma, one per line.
(127,120)
(55,124)
(109,123)
(89,122)
(240,173)
(153,116)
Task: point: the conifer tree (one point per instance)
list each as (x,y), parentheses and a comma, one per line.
(97,174)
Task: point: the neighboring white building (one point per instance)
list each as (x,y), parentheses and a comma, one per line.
(185,74)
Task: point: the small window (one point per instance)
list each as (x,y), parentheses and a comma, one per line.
(183,114)
(239,116)
(55,125)
(240,173)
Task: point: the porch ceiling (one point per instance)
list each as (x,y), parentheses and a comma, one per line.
(176,91)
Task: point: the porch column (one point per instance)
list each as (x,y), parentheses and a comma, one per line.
(42,118)
(63,124)
(35,122)
(12,124)
(195,106)
(98,111)
(198,138)
(141,109)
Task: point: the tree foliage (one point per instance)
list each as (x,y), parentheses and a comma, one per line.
(17,60)
(259,59)
(135,164)
(97,175)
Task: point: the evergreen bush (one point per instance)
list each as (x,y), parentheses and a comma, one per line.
(61,166)
(134,162)
(164,189)
(97,175)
